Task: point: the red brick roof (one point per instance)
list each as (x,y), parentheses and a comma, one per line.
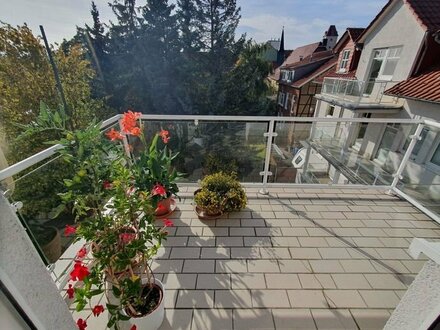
(427,13)
(346,75)
(316,57)
(296,55)
(316,74)
(425,87)
(355,33)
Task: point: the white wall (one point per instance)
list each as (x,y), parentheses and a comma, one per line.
(398,28)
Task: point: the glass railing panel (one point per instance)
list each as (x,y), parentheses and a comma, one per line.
(338,153)
(37,189)
(421,175)
(206,147)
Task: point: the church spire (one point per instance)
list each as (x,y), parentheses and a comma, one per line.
(281,51)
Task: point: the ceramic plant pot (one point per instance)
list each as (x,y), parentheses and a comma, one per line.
(154,319)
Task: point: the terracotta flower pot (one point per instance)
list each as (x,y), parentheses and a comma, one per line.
(165,207)
(52,249)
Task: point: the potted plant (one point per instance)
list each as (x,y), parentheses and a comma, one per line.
(153,169)
(208,204)
(219,191)
(117,224)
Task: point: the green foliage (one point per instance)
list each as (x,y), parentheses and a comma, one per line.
(215,162)
(227,189)
(209,201)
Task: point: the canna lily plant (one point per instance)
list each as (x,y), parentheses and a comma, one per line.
(115,215)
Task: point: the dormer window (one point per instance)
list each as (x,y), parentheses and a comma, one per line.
(287,75)
(344,61)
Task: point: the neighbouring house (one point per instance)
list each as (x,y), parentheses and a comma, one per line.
(297,86)
(391,70)
(295,77)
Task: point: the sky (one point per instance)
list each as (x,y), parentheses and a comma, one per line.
(304,21)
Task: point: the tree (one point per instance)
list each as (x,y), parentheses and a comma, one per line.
(246,86)
(26,79)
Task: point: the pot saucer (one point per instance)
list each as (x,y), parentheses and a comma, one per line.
(173,207)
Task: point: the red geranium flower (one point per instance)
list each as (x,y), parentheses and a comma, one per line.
(69,230)
(114,135)
(168,223)
(70,291)
(136,131)
(81,253)
(159,190)
(82,325)
(127,237)
(79,272)
(107,185)
(128,121)
(133,327)
(98,309)
(164,135)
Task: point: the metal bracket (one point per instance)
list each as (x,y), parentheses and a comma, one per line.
(270,134)
(17,206)
(395,175)
(268,173)
(415,137)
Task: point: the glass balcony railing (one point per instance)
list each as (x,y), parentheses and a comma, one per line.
(358,92)
(263,151)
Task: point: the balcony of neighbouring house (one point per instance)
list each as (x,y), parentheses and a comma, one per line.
(360,95)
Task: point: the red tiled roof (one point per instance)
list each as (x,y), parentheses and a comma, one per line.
(346,75)
(295,56)
(425,87)
(355,33)
(316,74)
(319,56)
(427,13)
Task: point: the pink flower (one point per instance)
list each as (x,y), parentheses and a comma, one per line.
(69,230)
(79,271)
(70,291)
(127,237)
(82,325)
(158,189)
(168,223)
(98,309)
(81,253)
(164,135)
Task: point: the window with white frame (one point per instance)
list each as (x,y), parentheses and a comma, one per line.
(384,63)
(344,61)
(287,75)
(435,158)
(281,98)
(286,101)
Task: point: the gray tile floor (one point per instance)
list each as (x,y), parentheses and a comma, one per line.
(296,259)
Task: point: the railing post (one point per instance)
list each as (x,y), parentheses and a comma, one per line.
(414,138)
(266,173)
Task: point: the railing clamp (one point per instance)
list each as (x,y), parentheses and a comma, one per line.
(268,173)
(412,137)
(17,206)
(270,134)
(395,175)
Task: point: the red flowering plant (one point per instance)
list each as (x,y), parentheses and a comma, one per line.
(152,167)
(117,222)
